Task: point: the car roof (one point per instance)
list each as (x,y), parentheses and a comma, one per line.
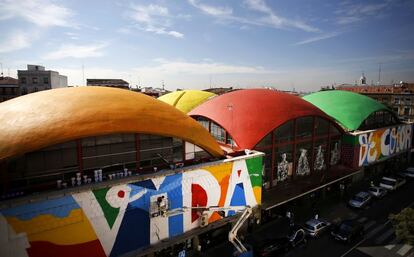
(362,194)
(389,178)
(313,222)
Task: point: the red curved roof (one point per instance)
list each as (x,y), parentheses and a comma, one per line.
(249,115)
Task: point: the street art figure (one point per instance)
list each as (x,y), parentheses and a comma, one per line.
(335,155)
(282,169)
(303,164)
(320,160)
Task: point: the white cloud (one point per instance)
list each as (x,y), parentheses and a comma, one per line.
(212,10)
(76,51)
(268,19)
(351,13)
(152,18)
(42,13)
(15,41)
(199,68)
(318,38)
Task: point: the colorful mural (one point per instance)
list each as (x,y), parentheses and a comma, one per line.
(116,220)
(383,143)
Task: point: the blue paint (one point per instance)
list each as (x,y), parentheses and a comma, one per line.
(59,207)
(238,198)
(175,225)
(133,233)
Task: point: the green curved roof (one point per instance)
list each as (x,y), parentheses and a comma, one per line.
(348,108)
(186,100)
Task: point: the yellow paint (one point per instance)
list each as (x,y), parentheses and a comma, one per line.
(220,171)
(73,229)
(186,100)
(258,194)
(34,121)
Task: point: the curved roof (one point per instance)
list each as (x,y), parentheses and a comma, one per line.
(249,115)
(348,108)
(41,119)
(186,100)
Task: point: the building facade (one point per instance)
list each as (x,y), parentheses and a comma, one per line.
(9,88)
(36,78)
(116,83)
(399,97)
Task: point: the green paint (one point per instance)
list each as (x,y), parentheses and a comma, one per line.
(348,108)
(110,212)
(255,167)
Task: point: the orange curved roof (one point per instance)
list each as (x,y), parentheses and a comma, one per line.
(249,115)
(38,120)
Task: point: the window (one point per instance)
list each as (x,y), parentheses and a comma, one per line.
(395,109)
(204,122)
(407,111)
(266,141)
(23,80)
(285,132)
(321,127)
(397,100)
(34,80)
(45,80)
(304,127)
(218,132)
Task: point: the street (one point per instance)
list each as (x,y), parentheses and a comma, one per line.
(379,239)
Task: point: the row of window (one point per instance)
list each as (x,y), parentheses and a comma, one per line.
(378,119)
(9,91)
(35,80)
(406,111)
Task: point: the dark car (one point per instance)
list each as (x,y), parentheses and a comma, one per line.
(347,231)
(276,246)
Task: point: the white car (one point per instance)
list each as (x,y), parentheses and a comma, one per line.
(360,200)
(408,172)
(314,227)
(391,183)
(378,192)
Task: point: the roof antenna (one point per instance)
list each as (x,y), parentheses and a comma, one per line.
(379,74)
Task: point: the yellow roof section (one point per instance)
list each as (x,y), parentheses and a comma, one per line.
(45,118)
(186,100)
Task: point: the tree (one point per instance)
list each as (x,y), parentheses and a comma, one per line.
(403,223)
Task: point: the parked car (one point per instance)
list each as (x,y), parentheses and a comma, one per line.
(408,173)
(347,231)
(360,200)
(275,246)
(377,192)
(315,227)
(391,183)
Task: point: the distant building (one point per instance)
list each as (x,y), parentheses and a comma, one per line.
(36,78)
(153,92)
(219,90)
(9,88)
(117,83)
(398,97)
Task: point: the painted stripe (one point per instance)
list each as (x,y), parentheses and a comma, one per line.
(362,219)
(404,249)
(369,224)
(392,244)
(384,236)
(375,231)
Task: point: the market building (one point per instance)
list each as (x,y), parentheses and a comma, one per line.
(186,100)
(122,174)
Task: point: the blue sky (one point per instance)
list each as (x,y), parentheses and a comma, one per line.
(297,44)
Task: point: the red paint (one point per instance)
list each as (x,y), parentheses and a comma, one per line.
(199,198)
(47,249)
(255,113)
(238,172)
(121,193)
